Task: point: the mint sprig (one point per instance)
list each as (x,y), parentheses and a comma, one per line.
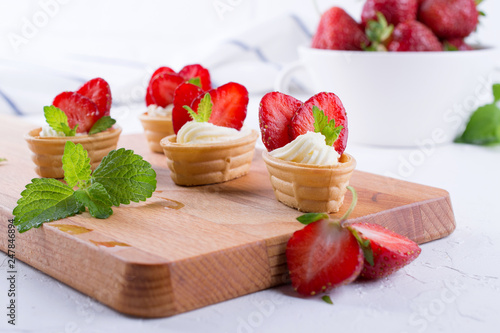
(121,177)
(102,124)
(483,127)
(58,120)
(325,127)
(204,109)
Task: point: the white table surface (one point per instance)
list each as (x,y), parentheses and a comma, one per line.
(453,286)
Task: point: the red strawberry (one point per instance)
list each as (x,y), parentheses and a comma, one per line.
(391,251)
(161,70)
(229,105)
(303,120)
(183,95)
(192,71)
(275,115)
(395,11)
(338,31)
(414,36)
(162,88)
(99,92)
(456,44)
(322,256)
(449,18)
(79,109)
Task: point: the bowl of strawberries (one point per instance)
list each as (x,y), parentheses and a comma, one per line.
(405,73)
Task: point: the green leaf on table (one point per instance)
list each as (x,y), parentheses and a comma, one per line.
(483,127)
(2,159)
(325,127)
(312,217)
(125,176)
(96,199)
(102,124)
(196,81)
(204,109)
(44,200)
(327,299)
(58,120)
(496,92)
(76,165)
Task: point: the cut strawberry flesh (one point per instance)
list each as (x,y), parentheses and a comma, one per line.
(161,70)
(99,92)
(193,71)
(79,109)
(185,94)
(275,115)
(162,88)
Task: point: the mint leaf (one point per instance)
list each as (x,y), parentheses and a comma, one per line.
(328,129)
(327,299)
(76,165)
(496,92)
(58,120)
(204,109)
(483,127)
(96,199)
(196,81)
(102,124)
(312,217)
(125,176)
(2,159)
(44,200)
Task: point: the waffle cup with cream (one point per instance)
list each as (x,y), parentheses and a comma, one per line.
(161,98)
(81,117)
(213,147)
(308,168)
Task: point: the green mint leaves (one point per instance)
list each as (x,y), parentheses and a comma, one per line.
(484,124)
(58,120)
(378,32)
(121,177)
(102,124)
(204,109)
(325,127)
(196,81)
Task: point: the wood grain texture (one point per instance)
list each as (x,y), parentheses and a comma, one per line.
(189,247)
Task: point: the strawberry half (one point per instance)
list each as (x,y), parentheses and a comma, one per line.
(162,88)
(79,109)
(275,115)
(391,251)
(192,71)
(161,70)
(99,92)
(322,256)
(230,103)
(185,94)
(303,120)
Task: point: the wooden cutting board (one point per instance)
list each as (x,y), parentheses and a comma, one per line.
(188,247)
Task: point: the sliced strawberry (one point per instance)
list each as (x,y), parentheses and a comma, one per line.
(99,92)
(303,120)
(79,109)
(391,251)
(183,95)
(162,88)
(161,70)
(322,256)
(275,114)
(230,103)
(192,71)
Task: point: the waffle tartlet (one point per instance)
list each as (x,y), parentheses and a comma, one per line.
(155,129)
(310,188)
(208,163)
(47,151)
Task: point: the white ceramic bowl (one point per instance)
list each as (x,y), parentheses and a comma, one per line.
(400,98)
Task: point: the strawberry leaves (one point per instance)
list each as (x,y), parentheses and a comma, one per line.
(379,33)
(325,127)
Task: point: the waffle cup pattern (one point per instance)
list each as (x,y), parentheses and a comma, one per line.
(210,163)
(155,129)
(310,188)
(47,151)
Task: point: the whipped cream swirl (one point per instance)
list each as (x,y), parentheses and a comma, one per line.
(158,111)
(200,132)
(309,148)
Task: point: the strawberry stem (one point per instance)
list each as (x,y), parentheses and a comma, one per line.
(353,204)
